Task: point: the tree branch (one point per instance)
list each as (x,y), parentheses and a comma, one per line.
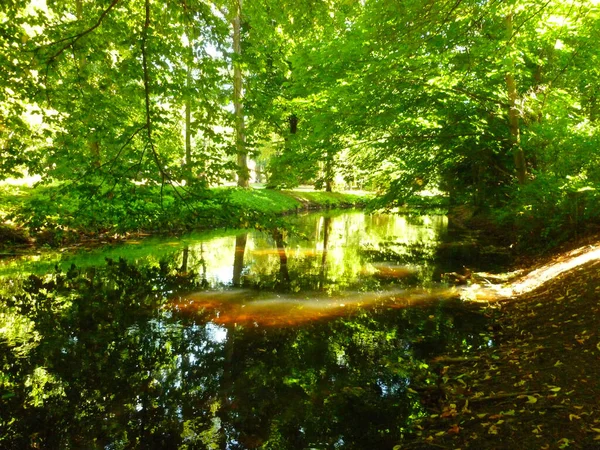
(73,39)
(146,75)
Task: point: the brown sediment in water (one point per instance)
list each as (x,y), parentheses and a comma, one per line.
(246,307)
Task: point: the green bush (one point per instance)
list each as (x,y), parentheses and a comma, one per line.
(549,210)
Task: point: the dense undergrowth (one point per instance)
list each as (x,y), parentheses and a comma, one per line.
(549,211)
(59,215)
(543,214)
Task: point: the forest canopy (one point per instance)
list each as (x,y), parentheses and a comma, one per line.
(488,103)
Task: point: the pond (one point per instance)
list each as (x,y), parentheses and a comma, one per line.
(313,335)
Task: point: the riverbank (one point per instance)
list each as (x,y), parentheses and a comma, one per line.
(53,216)
(538,385)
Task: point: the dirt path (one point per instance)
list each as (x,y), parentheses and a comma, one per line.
(538,387)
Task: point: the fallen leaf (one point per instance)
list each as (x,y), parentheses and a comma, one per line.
(563,443)
(493,430)
(531,399)
(574,416)
(465,408)
(454,430)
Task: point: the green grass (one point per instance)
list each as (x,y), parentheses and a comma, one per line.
(329,199)
(270,201)
(56,215)
(265,201)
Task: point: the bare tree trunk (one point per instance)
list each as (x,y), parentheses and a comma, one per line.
(513,112)
(240,137)
(188,114)
(329,173)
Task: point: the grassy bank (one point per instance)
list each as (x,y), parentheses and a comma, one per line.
(62,215)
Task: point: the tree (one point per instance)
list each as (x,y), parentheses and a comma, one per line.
(240,137)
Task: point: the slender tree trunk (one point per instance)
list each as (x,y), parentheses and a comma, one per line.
(188,115)
(329,173)
(93,144)
(240,138)
(513,112)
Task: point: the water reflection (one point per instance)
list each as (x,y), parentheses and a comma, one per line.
(331,253)
(238,259)
(175,352)
(240,307)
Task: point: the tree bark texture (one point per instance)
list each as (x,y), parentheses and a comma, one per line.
(240,138)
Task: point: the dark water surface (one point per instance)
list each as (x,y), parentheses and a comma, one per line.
(313,335)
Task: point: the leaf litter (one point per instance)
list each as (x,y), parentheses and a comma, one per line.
(538,388)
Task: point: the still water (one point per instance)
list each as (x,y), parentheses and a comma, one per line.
(308,336)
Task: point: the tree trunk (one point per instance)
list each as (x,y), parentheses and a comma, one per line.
(513,112)
(240,138)
(329,173)
(188,116)
(93,144)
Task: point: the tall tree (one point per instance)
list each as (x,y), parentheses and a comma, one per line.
(513,112)
(243,174)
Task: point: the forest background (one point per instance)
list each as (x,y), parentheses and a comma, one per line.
(133,115)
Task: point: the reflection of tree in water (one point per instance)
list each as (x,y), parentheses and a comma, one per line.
(107,368)
(284,275)
(323,271)
(103,363)
(238,258)
(341,382)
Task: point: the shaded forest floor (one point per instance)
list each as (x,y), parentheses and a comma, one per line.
(538,387)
